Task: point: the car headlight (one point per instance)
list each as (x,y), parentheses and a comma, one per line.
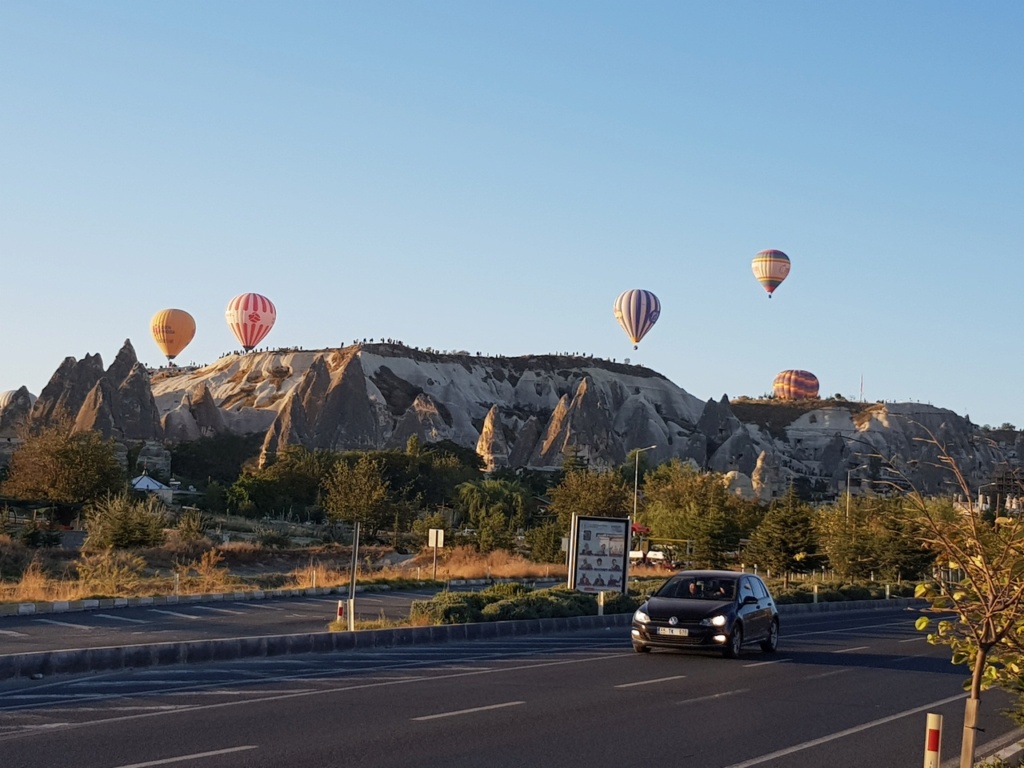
(641,617)
(714,621)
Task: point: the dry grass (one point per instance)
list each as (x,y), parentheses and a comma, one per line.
(33,576)
(467,563)
(36,585)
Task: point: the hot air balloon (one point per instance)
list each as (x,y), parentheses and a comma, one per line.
(6,398)
(637,311)
(172,330)
(250,317)
(770,268)
(795,385)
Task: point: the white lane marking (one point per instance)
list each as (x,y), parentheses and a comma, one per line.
(851,650)
(651,682)
(848,630)
(830,673)
(194,756)
(218,610)
(842,734)
(12,633)
(913,639)
(763,663)
(713,696)
(326,691)
(119,618)
(126,683)
(261,607)
(64,624)
(470,711)
(229,692)
(174,613)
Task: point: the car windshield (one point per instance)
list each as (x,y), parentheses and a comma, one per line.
(698,588)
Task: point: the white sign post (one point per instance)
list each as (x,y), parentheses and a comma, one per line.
(435,539)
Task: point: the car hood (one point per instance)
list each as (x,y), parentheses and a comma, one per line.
(663,608)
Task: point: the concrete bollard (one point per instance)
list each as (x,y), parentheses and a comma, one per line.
(933,741)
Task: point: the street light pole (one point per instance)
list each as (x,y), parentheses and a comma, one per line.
(849,472)
(636,476)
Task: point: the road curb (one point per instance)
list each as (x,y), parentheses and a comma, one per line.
(114,658)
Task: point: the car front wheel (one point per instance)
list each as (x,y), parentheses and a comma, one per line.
(770,643)
(640,648)
(734,643)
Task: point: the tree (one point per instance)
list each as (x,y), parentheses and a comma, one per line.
(59,465)
(219,458)
(784,541)
(589,492)
(120,522)
(686,508)
(980,579)
(291,484)
(497,509)
(357,493)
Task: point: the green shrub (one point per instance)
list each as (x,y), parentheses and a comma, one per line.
(120,522)
(111,572)
(39,535)
(504,589)
(857,592)
(448,608)
(272,538)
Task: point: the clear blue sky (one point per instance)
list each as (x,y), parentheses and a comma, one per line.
(489,176)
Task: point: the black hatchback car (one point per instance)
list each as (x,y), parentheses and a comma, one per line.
(720,610)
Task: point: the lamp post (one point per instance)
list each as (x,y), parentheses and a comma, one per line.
(636,476)
(848,473)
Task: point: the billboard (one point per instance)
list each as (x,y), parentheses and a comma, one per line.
(598,554)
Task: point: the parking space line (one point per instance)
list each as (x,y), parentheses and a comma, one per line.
(119,618)
(174,613)
(64,624)
(850,650)
(218,610)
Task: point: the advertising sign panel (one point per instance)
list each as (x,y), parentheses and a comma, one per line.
(598,548)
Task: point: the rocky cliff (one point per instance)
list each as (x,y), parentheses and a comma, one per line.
(516,412)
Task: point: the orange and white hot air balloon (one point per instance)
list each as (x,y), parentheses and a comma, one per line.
(172,330)
(770,268)
(250,317)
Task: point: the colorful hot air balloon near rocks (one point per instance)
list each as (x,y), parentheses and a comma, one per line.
(250,317)
(172,330)
(770,268)
(795,385)
(8,397)
(637,311)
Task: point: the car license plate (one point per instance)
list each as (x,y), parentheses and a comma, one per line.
(681,631)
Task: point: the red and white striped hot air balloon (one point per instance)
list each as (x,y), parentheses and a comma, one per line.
(250,317)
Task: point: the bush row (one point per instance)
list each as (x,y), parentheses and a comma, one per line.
(513,600)
(508,601)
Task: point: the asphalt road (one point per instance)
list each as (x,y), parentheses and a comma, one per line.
(193,621)
(846,690)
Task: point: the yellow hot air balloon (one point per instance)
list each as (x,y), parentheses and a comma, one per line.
(172,330)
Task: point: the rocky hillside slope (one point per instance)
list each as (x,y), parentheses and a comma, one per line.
(516,412)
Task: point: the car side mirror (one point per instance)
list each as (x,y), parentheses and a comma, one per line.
(749,599)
